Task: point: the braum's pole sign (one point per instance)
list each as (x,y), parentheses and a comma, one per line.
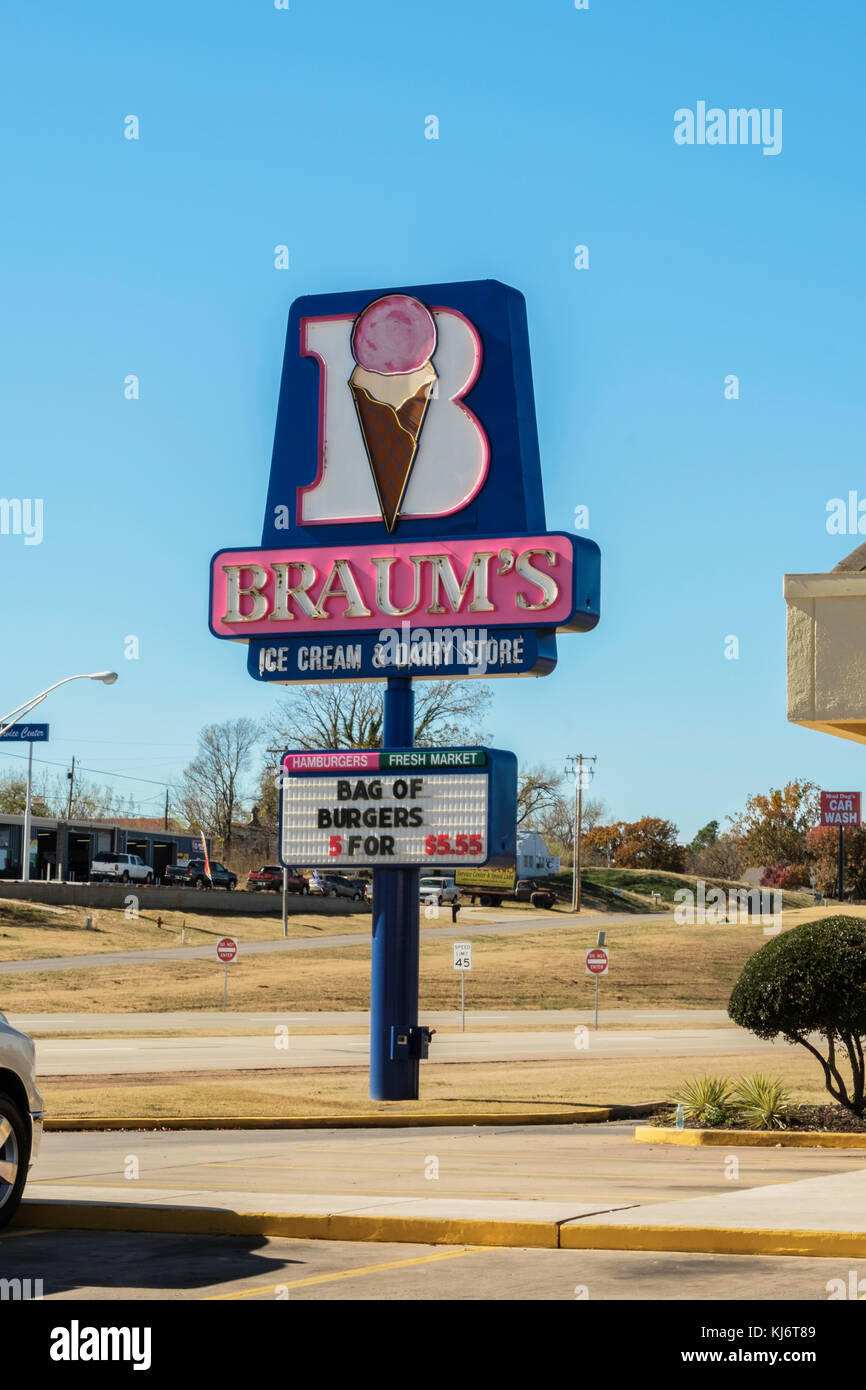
(404,535)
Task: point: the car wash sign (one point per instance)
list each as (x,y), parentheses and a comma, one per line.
(400,808)
(404,530)
(840,808)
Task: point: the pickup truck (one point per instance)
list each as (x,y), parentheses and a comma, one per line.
(436,891)
(270,877)
(194,874)
(528,891)
(119,868)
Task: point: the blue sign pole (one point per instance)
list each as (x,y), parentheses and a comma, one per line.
(396,931)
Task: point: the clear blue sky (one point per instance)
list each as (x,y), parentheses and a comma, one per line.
(306,127)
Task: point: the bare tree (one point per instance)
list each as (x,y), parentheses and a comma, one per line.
(721,859)
(537,793)
(212,790)
(349,714)
(555,824)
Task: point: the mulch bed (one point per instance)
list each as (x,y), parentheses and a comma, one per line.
(834,1118)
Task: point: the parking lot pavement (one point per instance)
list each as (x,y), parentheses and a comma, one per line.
(76,1265)
(573,1163)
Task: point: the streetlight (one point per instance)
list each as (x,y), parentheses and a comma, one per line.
(107,678)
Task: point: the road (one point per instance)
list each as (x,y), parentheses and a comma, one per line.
(465,927)
(357,1020)
(268,1050)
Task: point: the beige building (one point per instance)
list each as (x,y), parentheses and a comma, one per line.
(827,648)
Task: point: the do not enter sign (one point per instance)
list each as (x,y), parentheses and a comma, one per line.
(597,961)
(227,949)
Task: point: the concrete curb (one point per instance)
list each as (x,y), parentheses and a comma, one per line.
(421,1230)
(416,1230)
(738,1138)
(714,1240)
(401,1120)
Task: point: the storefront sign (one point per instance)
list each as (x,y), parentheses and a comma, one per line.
(401,808)
(405,529)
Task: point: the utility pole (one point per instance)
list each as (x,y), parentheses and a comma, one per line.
(165,824)
(71,779)
(574,767)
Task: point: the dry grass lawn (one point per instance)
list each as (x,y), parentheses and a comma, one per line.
(445,1087)
(32,933)
(654,964)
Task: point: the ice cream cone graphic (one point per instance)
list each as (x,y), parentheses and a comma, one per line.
(393,340)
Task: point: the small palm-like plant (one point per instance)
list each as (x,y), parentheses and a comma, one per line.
(707,1099)
(762,1101)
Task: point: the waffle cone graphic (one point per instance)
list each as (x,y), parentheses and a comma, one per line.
(393,341)
(391,435)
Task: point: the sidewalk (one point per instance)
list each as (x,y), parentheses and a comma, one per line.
(821,1216)
(508,1187)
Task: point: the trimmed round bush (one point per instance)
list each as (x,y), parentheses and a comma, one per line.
(812,980)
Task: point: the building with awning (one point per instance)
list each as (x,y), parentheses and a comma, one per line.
(827,648)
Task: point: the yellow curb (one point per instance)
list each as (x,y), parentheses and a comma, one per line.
(713,1240)
(402,1119)
(738,1138)
(416,1230)
(433,1230)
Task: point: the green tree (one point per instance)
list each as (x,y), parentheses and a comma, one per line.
(705,837)
(13,794)
(808,981)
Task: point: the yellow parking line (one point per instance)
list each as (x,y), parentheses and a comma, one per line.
(342,1274)
(20,1231)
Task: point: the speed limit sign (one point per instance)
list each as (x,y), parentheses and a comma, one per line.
(462,955)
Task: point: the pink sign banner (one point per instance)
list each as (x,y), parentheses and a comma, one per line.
(348,761)
(488,582)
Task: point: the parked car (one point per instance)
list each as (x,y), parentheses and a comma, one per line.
(194,874)
(345,887)
(119,868)
(20,1116)
(529,891)
(270,877)
(438,890)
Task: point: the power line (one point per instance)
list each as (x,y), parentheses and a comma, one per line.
(96,771)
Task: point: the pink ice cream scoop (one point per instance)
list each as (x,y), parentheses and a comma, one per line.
(393,335)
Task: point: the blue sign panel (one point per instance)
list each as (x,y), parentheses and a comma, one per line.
(26,733)
(426,653)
